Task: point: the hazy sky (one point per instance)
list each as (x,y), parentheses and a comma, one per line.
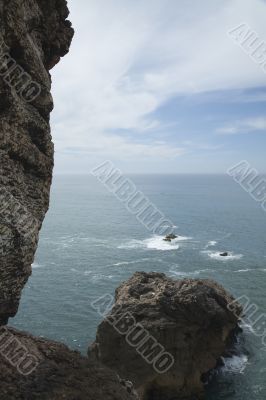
(159,86)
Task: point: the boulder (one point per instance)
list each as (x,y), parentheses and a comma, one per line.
(225,254)
(166,335)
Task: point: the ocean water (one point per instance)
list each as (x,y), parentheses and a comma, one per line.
(90,243)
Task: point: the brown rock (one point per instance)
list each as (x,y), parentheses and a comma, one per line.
(34,34)
(188,318)
(58,373)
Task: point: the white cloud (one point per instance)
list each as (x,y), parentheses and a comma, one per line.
(245,126)
(130,57)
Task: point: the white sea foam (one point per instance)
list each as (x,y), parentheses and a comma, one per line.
(36,265)
(193,273)
(123,263)
(247,327)
(95,278)
(216,255)
(243,270)
(156,242)
(131,244)
(251,270)
(118,264)
(235,364)
(211,243)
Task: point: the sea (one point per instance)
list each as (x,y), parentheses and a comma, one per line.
(90,243)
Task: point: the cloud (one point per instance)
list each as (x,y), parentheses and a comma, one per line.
(250,125)
(129,58)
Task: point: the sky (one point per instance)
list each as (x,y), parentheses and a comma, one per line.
(160,86)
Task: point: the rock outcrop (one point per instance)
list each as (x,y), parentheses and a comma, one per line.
(225,254)
(51,371)
(165,335)
(34,34)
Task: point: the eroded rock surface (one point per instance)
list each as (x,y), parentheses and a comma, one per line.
(53,372)
(189,319)
(34,34)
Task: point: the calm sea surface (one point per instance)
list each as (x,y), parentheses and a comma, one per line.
(90,243)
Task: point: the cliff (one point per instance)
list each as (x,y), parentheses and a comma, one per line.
(188,321)
(34,34)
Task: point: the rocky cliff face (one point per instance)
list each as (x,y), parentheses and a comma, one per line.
(34,34)
(164,335)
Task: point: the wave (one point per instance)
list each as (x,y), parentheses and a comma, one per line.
(216,255)
(154,243)
(247,327)
(211,243)
(118,264)
(124,263)
(157,243)
(250,270)
(193,273)
(235,364)
(95,278)
(244,270)
(36,265)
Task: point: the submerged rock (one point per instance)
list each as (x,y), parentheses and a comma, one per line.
(34,34)
(165,335)
(170,237)
(53,372)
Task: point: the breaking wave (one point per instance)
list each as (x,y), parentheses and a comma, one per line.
(216,255)
(154,243)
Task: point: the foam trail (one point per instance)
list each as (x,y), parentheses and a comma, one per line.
(235,364)
(35,265)
(211,243)
(216,255)
(193,273)
(118,264)
(156,242)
